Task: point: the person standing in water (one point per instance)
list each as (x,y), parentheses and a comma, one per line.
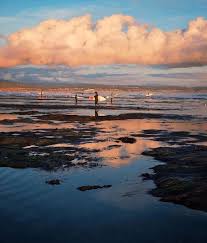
(41,94)
(111,98)
(76,99)
(96,98)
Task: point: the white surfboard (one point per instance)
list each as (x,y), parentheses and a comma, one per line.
(100,98)
(148,94)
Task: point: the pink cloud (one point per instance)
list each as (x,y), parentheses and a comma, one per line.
(117,39)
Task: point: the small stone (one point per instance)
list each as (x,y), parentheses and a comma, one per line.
(87,188)
(127,140)
(146,176)
(54,182)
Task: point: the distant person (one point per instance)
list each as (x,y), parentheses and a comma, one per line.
(41,94)
(76,99)
(96,98)
(111,98)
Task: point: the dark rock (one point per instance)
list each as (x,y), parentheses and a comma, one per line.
(86,188)
(173,137)
(7,122)
(54,182)
(127,140)
(146,176)
(113,146)
(15,154)
(183,177)
(31,112)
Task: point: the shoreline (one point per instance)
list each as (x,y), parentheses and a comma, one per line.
(18,86)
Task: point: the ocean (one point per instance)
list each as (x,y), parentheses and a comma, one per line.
(38,126)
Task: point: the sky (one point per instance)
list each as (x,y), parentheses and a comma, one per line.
(165,14)
(173,47)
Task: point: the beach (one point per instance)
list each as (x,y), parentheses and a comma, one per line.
(133,168)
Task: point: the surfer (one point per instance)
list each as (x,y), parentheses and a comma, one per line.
(96,98)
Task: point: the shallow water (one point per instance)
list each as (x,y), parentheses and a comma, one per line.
(33,211)
(162,101)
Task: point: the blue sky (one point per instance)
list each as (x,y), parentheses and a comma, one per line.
(166,14)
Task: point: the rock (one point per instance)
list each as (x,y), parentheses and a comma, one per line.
(54,182)
(87,188)
(110,147)
(182,179)
(46,150)
(127,140)
(7,122)
(146,176)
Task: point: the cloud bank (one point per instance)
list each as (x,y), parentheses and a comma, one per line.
(118,39)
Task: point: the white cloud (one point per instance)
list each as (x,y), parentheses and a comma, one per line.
(118,39)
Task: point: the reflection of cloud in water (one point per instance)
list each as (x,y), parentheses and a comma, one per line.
(116,156)
(136,126)
(187,126)
(123,153)
(33,126)
(130,125)
(7,117)
(60,145)
(118,153)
